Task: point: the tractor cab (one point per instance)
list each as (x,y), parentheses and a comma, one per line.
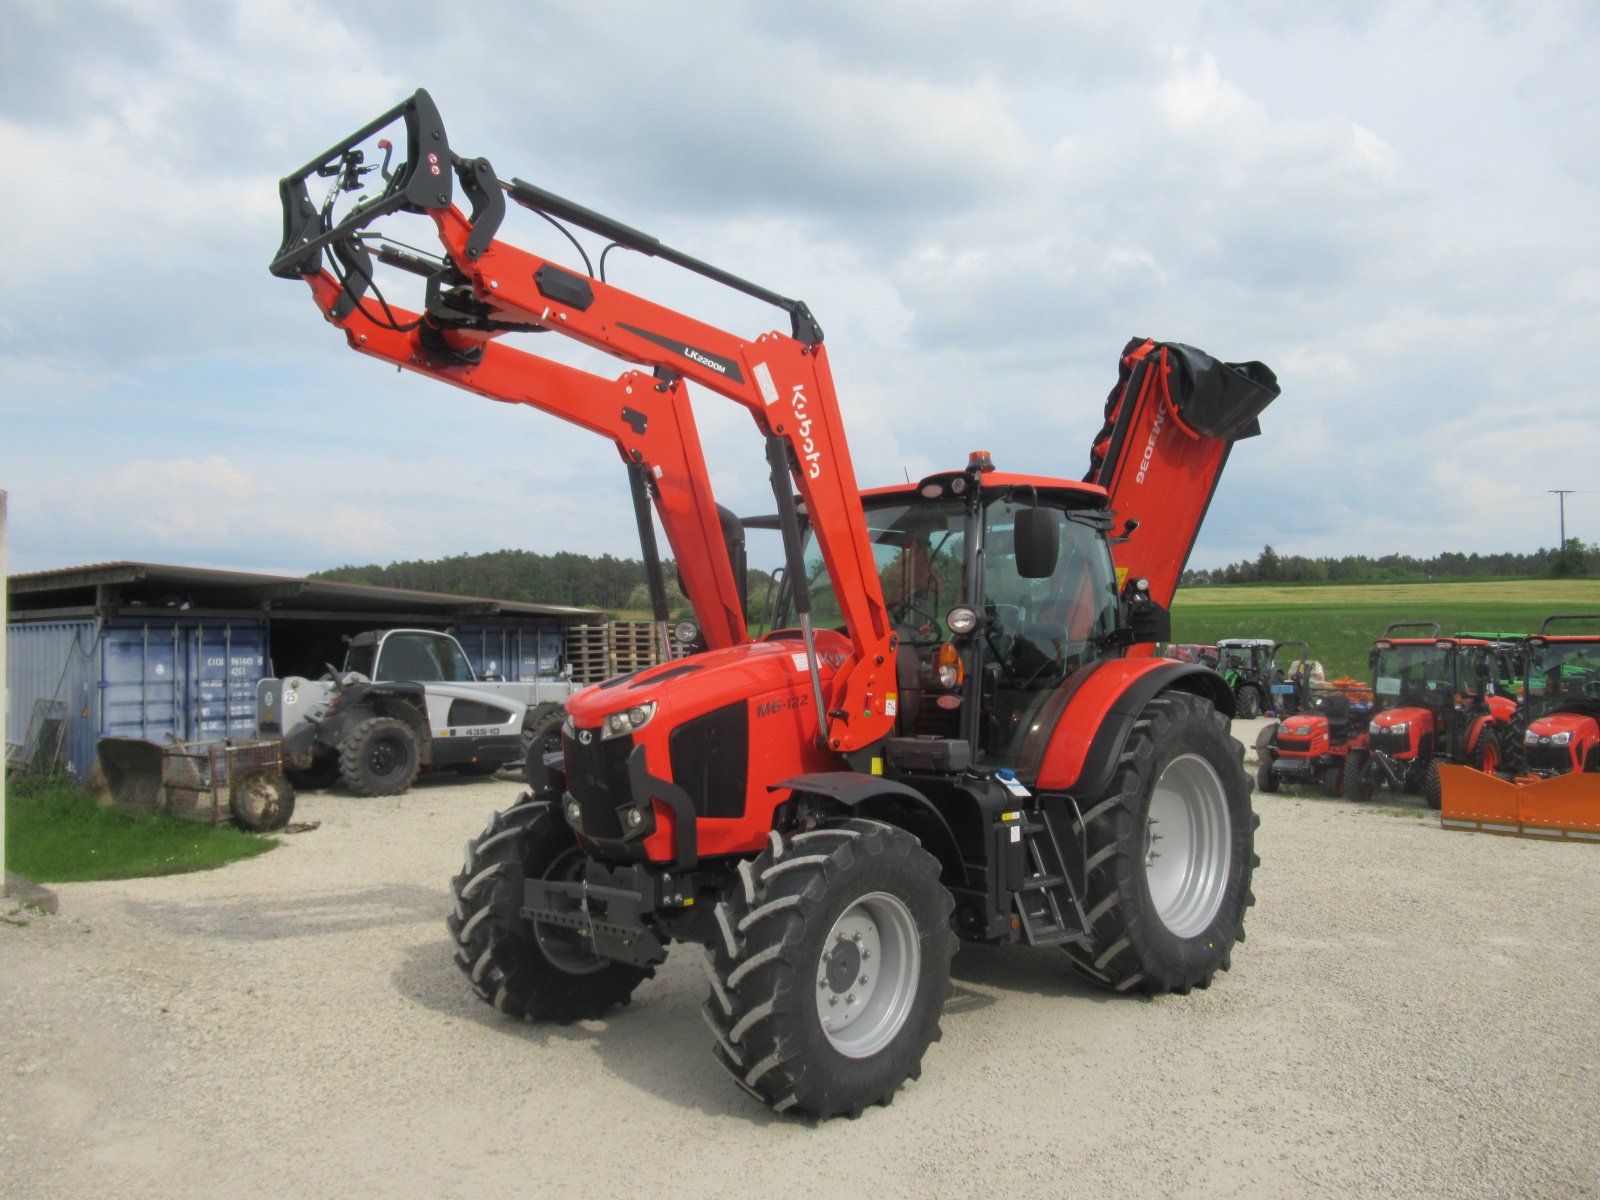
(998,588)
(1561,680)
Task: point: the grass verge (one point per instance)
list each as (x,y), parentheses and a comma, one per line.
(56,833)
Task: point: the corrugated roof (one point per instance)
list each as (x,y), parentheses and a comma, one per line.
(121,585)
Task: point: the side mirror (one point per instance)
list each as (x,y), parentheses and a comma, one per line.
(1037,538)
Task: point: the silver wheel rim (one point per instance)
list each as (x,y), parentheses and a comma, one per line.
(1188,845)
(867,975)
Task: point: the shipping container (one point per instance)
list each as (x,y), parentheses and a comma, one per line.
(514,653)
(157,679)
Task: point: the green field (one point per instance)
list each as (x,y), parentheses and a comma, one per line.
(1341,621)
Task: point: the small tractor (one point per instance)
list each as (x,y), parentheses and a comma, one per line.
(1247,665)
(1314,743)
(406,701)
(1436,700)
(958,729)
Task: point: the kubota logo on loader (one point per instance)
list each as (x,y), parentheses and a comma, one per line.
(1150,446)
(808,448)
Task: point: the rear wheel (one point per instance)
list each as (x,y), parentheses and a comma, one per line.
(1357,779)
(1171,849)
(379,757)
(830,968)
(524,969)
(1248,698)
(1486,753)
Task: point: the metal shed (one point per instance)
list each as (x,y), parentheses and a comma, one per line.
(150,651)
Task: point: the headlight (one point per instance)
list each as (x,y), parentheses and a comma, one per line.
(961,619)
(1562,738)
(621,724)
(1399,727)
(686,633)
(1530,738)
(569,727)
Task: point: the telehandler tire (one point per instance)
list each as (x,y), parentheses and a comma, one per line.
(541,738)
(1171,850)
(830,968)
(522,969)
(379,757)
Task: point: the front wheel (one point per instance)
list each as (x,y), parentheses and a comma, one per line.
(830,968)
(1332,781)
(1357,779)
(1485,755)
(1171,850)
(522,968)
(379,757)
(1432,790)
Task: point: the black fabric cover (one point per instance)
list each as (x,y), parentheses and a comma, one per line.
(1219,399)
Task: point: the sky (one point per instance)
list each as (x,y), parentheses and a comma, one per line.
(1393,205)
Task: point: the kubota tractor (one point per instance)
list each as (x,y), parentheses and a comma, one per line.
(961,731)
(1314,743)
(1561,708)
(1436,699)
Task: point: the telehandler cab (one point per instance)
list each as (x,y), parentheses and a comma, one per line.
(986,748)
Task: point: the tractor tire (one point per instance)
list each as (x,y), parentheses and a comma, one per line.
(1432,792)
(261,801)
(1248,700)
(1357,779)
(379,757)
(541,738)
(1487,753)
(323,772)
(1332,781)
(524,970)
(831,968)
(1415,778)
(1266,777)
(1166,920)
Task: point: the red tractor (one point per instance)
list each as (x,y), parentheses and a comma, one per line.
(1314,744)
(985,749)
(1436,699)
(1561,699)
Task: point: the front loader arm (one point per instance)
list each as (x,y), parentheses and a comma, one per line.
(783,381)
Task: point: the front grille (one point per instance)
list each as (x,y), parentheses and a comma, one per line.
(1390,743)
(1549,758)
(710,760)
(597,777)
(1293,745)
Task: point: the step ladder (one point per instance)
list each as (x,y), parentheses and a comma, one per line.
(1046,905)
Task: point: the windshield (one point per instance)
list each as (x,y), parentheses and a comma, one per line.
(1564,671)
(418,657)
(1414,672)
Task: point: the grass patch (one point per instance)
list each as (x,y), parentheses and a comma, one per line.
(1340,621)
(56,833)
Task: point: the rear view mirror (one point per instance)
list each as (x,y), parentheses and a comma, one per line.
(1038,542)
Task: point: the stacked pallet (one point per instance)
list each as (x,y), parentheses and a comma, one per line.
(587,653)
(634,645)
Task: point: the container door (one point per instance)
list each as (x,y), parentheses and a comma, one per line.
(225,663)
(142,682)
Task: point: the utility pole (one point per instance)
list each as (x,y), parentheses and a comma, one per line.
(1561,495)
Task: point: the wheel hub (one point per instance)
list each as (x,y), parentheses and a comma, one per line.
(867,976)
(1188,845)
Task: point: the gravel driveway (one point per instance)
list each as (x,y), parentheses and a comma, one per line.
(1414,1014)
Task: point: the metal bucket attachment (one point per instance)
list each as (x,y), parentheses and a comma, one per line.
(1560,807)
(200,781)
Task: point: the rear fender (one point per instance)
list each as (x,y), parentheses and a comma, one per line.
(1081,731)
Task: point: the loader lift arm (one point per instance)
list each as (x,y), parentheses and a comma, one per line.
(485,288)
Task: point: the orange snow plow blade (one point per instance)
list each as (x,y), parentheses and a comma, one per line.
(1563,806)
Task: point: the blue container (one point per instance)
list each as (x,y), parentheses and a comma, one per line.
(156,679)
(516,654)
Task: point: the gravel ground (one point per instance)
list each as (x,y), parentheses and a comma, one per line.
(1414,1014)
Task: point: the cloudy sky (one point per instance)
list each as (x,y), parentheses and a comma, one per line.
(1392,204)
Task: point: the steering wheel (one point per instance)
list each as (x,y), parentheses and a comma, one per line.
(1591,688)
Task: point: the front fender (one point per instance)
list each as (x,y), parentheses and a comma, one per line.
(886,800)
(1081,731)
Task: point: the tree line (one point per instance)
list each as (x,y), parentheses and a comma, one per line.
(1575,559)
(579,580)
